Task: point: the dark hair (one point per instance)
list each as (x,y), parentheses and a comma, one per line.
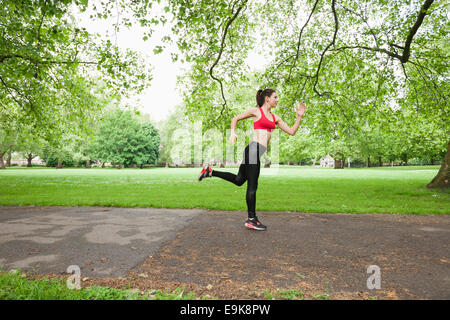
(262,94)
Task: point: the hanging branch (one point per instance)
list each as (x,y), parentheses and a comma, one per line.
(300,38)
(336,28)
(37,61)
(222,47)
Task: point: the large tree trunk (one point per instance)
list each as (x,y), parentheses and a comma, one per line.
(59,166)
(339,164)
(443,176)
(405,159)
(88,164)
(2,164)
(167,162)
(8,160)
(368,162)
(380,161)
(29,158)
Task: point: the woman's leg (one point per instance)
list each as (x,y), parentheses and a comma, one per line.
(238,179)
(249,171)
(252,185)
(252,156)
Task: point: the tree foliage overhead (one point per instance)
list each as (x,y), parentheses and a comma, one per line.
(352,60)
(52,70)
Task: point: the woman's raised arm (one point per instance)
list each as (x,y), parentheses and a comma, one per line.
(283,126)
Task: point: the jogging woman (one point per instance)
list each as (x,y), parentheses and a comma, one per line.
(264,123)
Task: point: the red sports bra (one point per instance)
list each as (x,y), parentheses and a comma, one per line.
(264,123)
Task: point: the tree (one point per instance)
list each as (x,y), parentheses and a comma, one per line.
(300,147)
(29,144)
(83,150)
(8,140)
(152,142)
(60,154)
(122,140)
(167,128)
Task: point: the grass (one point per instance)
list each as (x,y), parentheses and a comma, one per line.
(15,286)
(303,189)
(324,296)
(293,294)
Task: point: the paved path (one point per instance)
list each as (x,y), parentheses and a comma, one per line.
(213,250)
(103,242)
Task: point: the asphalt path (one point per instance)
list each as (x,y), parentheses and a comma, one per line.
(347,256)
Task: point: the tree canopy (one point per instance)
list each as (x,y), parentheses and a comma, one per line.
(52,71)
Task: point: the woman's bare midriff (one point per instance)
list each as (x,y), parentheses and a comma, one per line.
(262,136)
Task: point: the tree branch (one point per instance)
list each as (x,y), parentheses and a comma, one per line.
(300,38)
(413,30)
(392,54)
(37,61)
(8,88)
(336,27)
(407,47)
(222,47)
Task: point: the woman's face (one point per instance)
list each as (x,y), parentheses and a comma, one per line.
(272,100)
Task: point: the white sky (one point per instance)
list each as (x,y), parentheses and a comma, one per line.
(162,96)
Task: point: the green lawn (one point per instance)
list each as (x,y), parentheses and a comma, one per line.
(16,286)
(303,189)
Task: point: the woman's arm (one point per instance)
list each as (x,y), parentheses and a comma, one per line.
(247,114)
(283,126)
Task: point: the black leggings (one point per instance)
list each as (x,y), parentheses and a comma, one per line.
(248,171)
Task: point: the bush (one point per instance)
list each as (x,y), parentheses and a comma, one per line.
(421,162)
(356,163)
(53,162)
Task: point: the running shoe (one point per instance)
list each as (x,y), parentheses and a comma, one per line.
(254,224)
(205,173)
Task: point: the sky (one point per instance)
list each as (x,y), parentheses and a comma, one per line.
(163,95)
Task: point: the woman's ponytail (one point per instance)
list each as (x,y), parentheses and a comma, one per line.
(262,94)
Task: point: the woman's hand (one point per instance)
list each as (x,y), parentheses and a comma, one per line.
(233,137)
(301,109)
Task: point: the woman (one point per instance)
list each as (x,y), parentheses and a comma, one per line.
(264,123)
